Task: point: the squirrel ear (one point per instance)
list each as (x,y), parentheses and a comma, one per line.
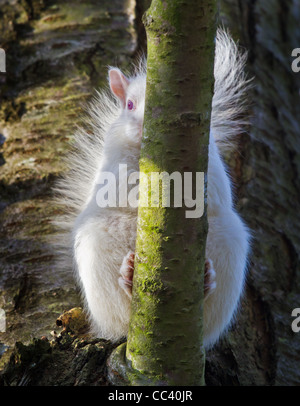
(118,84)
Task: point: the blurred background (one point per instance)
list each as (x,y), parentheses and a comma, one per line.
(57,53)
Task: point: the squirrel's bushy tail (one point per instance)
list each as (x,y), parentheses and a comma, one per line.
(231,85)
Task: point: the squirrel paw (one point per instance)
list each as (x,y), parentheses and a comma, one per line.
(126,272)
(209,278)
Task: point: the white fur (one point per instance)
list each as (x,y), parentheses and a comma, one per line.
(97,239)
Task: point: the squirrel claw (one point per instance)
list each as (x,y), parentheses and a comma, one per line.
(126,272)
(209,278)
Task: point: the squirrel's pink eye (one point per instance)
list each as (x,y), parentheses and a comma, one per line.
(130,105)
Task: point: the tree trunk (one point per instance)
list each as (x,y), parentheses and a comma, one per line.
(263,349)
(165,335)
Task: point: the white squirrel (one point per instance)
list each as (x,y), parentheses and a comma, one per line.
(100,242)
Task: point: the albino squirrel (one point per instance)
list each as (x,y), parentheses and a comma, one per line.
(100,242)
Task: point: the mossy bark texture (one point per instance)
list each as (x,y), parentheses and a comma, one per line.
(165,335)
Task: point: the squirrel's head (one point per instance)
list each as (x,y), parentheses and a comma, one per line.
(130,92)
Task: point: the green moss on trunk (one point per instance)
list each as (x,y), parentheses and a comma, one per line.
(165,335)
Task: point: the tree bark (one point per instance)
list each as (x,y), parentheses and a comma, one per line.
(262,349)
(165,335)
(140,9)
(57,54)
